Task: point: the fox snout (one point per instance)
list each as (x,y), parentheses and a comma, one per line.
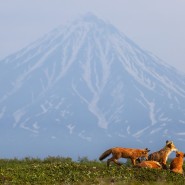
(175,150)
(146,157)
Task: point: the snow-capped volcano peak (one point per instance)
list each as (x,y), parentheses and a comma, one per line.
(87,81)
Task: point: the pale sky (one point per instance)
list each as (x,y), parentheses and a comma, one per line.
(155,25)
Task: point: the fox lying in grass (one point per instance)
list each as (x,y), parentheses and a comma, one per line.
(119,152)
(177,163)
(161,156)
(149,164)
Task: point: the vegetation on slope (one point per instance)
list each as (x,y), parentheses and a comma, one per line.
(58,171)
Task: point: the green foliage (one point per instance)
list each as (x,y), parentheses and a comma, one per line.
(59,171)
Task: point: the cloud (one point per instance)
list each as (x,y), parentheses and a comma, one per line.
(82,135)
(71,128)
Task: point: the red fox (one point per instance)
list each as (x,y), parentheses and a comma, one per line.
(161,156)
(149,164)
(177,163)
(118,152)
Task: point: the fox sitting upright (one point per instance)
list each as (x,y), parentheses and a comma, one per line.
(119,152)
(177,163)
(161,156)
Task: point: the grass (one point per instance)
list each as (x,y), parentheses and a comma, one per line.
(59,171)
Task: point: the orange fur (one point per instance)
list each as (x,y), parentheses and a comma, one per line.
(118,152)
(149,164)
(177,163)
(161,156)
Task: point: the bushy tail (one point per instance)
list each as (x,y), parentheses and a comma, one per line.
(105,154)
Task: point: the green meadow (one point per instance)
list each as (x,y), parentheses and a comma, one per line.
(65,171)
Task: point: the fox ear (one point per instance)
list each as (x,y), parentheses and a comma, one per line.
(169,142)
(147,149)
(177,154)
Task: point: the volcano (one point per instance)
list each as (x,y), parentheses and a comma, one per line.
(84,87)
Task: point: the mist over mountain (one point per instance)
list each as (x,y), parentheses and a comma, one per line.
(85,87)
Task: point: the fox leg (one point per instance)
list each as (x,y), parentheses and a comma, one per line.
(164,166)
(138,160)
(114,160)
(108,161)
(133,161)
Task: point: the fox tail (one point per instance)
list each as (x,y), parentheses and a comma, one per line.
(105,154)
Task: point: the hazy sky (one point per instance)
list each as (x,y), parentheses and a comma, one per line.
(155,25)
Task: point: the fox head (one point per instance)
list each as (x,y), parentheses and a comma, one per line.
(171,145)
(145,153)
(180,154)
(147,150)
